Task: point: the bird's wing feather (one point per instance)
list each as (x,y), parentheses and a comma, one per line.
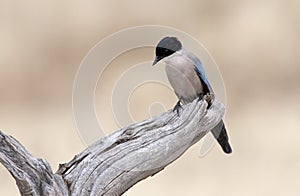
(200,71)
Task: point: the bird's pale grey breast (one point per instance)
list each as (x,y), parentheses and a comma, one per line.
(182,76)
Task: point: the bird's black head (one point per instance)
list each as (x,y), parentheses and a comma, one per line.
(166,47)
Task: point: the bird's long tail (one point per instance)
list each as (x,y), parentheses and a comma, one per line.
(220,133)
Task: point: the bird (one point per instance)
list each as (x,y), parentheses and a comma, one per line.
(188,79)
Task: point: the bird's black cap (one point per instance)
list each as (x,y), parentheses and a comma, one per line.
(166,47)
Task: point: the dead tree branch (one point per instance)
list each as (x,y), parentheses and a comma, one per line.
(115,163)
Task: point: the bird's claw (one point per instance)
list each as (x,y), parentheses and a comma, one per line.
(209,98)
(201,96)
(177,107)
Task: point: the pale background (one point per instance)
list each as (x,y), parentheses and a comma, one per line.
(255,43)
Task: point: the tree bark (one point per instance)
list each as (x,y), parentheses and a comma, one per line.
(115,163)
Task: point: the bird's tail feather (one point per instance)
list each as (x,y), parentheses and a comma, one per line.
(220,133)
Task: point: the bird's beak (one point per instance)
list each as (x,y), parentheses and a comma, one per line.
(156,60)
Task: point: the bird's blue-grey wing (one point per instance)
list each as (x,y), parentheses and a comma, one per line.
(200,71)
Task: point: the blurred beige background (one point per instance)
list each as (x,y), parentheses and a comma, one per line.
(255,43)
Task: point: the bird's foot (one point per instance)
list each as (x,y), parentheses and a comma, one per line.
(177,107)
(201,96)
(209,97)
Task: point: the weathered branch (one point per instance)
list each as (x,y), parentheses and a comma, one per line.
(113,164)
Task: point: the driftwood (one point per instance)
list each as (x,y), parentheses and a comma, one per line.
(115,163)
